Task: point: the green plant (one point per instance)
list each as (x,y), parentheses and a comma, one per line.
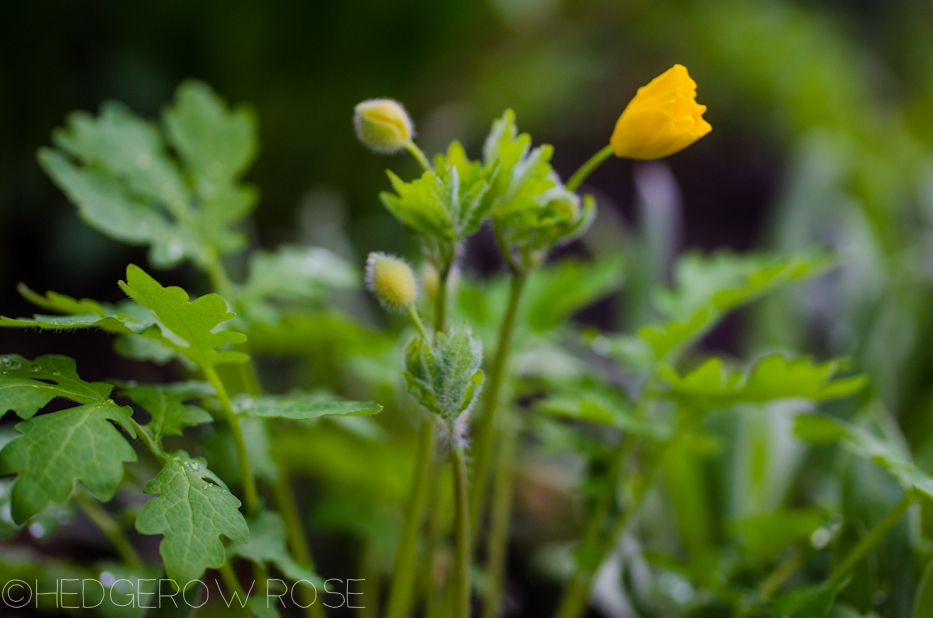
(644,416)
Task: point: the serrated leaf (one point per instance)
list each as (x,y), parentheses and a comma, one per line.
(694,313)
(267,545)
(187,327)
(117,170)
(772,378)
(193,511)
(165,405)
(216,144)
(530,208)
(123,318)
(445,377)
(27,386)
(300,407)
(57,450)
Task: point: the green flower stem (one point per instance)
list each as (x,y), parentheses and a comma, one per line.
(298,542)
(872,538)
(485,429)
(587,168)
(419,325)
(462,547)
(219,278)
(111,529)
(233,586)
(403,577)
(250,494)
(440,303)
(497,542)
(416,152)
(436,529)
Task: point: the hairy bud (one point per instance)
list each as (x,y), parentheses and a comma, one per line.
(383,125)
(391,280)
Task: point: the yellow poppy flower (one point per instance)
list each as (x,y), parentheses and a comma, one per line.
(662,119)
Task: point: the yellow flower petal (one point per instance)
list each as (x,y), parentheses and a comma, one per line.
(662,119)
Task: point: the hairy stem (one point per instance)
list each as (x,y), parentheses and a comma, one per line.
(435,533)
(485,430)
(297,541)
(403,577)
(587,168)
(462,547)
(871,539)
(250,494)
(420,326)
(111,529)
(416,152)
(497,542)
(440,303)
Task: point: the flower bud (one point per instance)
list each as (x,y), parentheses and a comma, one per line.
(662,119)
(383,125)
(391,280)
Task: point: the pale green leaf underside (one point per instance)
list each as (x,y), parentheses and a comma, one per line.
(303,407)
(128,319)
(267,545)
(445,377)
(193,511)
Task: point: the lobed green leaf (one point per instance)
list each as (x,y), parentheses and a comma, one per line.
(193,511)
(445,377)
(699,302)
(772,378)
(187,327)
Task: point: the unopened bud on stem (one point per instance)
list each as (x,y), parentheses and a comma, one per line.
(383,125)
(391,280)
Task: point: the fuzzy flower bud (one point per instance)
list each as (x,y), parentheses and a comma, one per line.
(391,280)
(383,125)
(662,119)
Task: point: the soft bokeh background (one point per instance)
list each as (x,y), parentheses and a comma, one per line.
(823,133)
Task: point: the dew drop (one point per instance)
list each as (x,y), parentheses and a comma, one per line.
(107,579)
(37,530)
